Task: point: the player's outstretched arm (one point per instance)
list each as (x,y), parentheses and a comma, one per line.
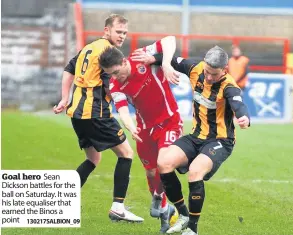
(168,49)
(128,123)
(142,56)
(121,104)
(178,63)
(233,95)
(166,45)
(67,80)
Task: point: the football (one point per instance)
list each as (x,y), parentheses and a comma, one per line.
(174,218)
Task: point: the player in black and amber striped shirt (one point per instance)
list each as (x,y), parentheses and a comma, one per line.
(216,99)
(90,99)
(213,116)
(91,116)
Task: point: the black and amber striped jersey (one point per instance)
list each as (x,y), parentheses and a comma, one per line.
(89,98)
(214,105)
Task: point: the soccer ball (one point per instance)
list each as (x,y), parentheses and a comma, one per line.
(174,218)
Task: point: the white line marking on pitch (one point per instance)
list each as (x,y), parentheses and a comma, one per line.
(256,181)
(224,180)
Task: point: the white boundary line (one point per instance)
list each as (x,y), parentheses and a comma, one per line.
(254,181)
(224,180)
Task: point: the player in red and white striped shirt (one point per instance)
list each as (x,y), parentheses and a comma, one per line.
(158,121)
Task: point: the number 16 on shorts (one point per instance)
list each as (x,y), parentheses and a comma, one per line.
(171,137)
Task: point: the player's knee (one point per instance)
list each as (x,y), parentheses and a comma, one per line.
(127,152)
(196,173)
(123,150)
(94,156)
(165,165)
(130,152)
(95,159)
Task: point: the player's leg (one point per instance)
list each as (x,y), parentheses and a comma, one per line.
(170,159)
(86,168)
(151,177)
(202,168)
(107,133)
(168,135)
(81,128)
(158,196)
(148,152)
(118,212)
(199,167)
(124,153)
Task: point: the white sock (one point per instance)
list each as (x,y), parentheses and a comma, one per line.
(165,208)
(117,206)
(156,194)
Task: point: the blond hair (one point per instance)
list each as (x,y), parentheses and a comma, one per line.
(111,18)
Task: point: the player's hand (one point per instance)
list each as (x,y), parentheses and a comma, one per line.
(243,122)
(140,55)
(171,74)
(135,133)
(60,107)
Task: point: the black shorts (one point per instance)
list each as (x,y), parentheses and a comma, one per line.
(101,133)
(218,150)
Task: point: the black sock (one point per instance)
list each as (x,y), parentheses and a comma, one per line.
(196,199)
(84,170)
(121,179)
(172,187)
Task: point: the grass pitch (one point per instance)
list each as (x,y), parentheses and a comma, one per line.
(252,193)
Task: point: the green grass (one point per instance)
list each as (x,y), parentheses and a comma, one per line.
(255,183)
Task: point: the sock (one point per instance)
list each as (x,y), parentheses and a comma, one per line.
(155,184)
(172,187)
(164,203)
(196,199)
(121,179)
(152,184)
(84,170)
(159,186)
(117,206)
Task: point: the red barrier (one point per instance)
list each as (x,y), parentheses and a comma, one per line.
(185,39)
(80,34)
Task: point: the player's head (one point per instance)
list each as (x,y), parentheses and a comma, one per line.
(116,28)
(113,62)
(236,51)
(216,64)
